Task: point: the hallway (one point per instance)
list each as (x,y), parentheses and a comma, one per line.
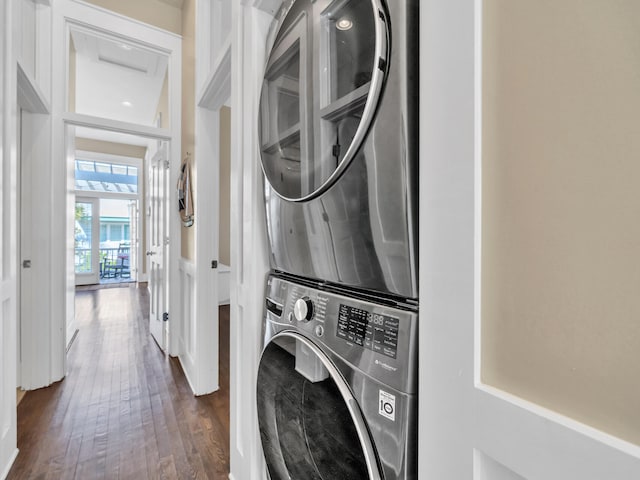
(124,410)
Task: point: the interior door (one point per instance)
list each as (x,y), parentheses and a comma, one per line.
(87,241)
(157,249)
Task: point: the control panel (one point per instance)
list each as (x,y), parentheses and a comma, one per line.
(375,337)
(372,331)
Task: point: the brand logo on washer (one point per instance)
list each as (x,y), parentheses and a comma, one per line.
(387,405)
(386,366)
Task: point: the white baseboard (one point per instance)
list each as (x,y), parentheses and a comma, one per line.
(143,278)
(4,474)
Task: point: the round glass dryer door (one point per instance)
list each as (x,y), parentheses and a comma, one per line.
(310,425)
(320,91)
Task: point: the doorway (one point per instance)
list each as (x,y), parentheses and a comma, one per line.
(109,192)
(122,109)
(106,242)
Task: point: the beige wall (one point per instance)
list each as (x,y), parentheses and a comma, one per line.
(188,111)
(154,12)
(111,148)
(561,207)
(224,248)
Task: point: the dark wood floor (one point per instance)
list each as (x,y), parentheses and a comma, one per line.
(124,410)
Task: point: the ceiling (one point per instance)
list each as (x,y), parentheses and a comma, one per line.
(117,80)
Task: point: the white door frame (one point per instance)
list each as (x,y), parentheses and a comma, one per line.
(468,429)
(249,243)
(200,357)
(66,14)
(8,245)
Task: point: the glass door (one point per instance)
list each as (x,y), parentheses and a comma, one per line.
(321,88)
(310,424)
(87,241)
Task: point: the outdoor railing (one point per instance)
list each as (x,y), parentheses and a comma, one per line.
(108,256)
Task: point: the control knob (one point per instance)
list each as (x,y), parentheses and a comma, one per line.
(303,309)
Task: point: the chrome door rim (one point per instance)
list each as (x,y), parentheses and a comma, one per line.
(380,65)
(350,401)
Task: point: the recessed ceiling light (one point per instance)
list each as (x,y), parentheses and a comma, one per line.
(344,24)
(127,103)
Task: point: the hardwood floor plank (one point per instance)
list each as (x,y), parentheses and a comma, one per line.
(124,411)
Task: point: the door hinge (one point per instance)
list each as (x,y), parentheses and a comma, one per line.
(165,317)
(214,263)
(166,240)
(166,164)
(26,264)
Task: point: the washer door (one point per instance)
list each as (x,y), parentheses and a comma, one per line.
(310,430)
(321,88)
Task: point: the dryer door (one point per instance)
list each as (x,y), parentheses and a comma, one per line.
(321,88)
(310,429)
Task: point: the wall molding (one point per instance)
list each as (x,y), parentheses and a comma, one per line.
(30,96)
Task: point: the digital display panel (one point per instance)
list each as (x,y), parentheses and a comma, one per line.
(372,331)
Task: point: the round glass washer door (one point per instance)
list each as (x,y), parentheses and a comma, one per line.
(320,91)
(310,430)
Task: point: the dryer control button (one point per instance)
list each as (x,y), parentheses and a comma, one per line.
(303,309)
(290,317)
(319,330)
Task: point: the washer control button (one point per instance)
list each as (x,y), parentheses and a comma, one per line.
(303,309)
(290,317)
(319,330)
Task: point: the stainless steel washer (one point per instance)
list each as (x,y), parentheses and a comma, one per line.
(336,390)
(338,142)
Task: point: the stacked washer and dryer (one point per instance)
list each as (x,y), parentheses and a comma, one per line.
(337,380)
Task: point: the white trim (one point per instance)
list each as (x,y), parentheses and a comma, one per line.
(5,290)
(127,19)
(538,443)
(8,235)
(12,459)
(187,266)
(30,96)
(82,120)
(107,195)
(217,88)
(249,244)
(110,158)
(193,328)
(267,6)
(477,158)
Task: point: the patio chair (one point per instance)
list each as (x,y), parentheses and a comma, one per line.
(109,263)
(117,262)
(122,261)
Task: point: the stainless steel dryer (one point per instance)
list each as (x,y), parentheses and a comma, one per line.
(338,141)
(336,390)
